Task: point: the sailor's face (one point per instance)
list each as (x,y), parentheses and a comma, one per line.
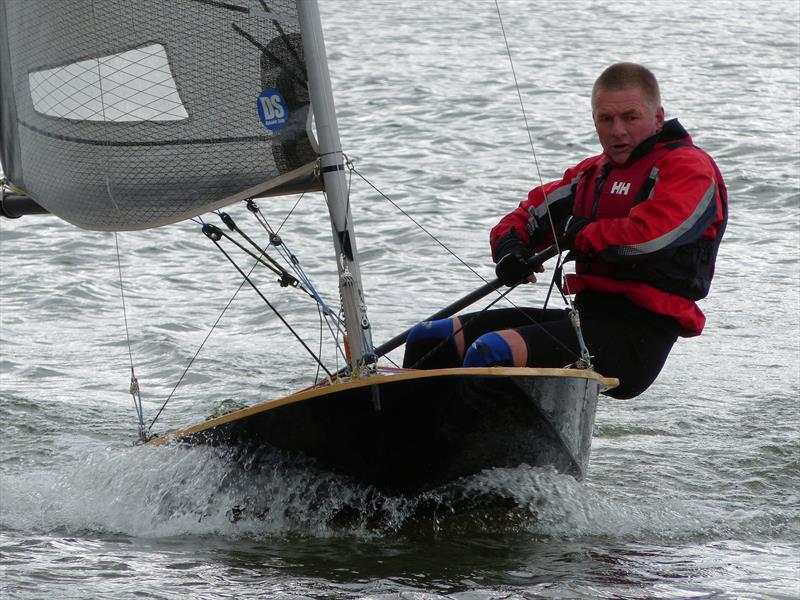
(623,120)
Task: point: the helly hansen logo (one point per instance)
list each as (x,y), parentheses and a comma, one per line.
(621,187)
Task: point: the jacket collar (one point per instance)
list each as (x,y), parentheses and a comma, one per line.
(672,131)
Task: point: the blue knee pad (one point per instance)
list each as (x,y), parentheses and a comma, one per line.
(489,350)
(430,345)
(431,331)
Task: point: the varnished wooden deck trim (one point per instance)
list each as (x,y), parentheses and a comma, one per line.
(384,376)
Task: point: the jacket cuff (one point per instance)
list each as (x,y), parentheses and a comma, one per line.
(506,244)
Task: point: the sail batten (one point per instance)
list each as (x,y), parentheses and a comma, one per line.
(131,114)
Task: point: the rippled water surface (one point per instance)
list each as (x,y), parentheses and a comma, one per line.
(693,486)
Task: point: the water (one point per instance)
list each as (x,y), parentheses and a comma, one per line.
(693,487)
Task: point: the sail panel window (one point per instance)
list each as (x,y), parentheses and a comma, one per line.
(136,85)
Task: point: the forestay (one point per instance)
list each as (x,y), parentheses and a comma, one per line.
(130,114)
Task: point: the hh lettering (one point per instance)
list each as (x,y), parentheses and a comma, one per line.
(620,187)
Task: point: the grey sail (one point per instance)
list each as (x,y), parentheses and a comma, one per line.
(146,112)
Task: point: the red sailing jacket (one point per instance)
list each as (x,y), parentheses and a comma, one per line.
(657,222)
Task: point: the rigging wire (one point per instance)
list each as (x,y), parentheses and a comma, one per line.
(584,357)
(202,344)
(321,335)
(584,360)
(263,258)
(284,251)
(559,263)
(324,310)
(417,223)
(437,347)
(134,387)
(290,213)
(327,313)
(214,234)
(286,279)
(366,344)
(527,126)
(502,295)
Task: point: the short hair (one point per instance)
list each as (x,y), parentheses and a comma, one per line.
(624,76)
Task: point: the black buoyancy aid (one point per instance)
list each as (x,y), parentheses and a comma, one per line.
(684,270)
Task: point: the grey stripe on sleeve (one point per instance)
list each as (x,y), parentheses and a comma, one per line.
(702,215)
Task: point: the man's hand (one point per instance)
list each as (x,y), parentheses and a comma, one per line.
(574,225)
(512,268)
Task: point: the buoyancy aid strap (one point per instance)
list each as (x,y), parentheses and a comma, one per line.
(558,273)
(598,188)
(647,189)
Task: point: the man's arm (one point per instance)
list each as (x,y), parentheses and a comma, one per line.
(529,224)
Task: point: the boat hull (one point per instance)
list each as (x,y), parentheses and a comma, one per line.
(415,430)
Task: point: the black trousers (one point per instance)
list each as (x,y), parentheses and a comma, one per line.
(625,341)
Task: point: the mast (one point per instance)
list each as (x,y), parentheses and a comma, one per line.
(357,324)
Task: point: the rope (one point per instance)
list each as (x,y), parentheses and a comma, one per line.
(286,279)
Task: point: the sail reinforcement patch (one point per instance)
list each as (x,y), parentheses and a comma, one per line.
(136,85)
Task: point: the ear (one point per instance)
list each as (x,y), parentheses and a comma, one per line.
(659,118)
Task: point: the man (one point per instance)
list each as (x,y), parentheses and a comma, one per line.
(643,220)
